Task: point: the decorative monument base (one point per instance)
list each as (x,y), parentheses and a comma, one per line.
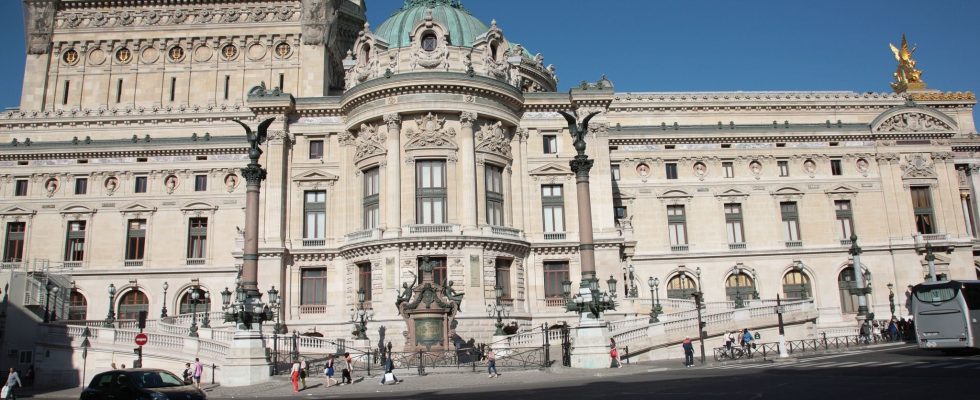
(247,362)
(591,344)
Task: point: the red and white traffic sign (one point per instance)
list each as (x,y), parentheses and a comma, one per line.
(141,339)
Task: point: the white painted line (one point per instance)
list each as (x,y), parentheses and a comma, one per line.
(817,365)
(964,365)
(889,363)
(908,364)
(864,364)
(931,365)
(842,365)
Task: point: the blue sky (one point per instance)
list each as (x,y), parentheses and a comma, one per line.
(693,45)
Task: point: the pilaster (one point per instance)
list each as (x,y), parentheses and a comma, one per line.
(467,162)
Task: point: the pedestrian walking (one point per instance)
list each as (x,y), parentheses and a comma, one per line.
(389,373)
(188,374)
(8,387)
(294,376)
(688,352)
(615,361)
(865,333)
(347,371)
(302,371)
(492,364)
(329,370)
(198,371)
(747,339)
(893,330)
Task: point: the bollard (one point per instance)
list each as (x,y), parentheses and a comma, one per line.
(627,355)
(213,367)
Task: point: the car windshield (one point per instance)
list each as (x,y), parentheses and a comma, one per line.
(154,379)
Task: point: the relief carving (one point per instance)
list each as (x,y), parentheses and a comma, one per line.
(917,166)
(913,122)
(369,142)
(40,25)
(492,138)
(430,132)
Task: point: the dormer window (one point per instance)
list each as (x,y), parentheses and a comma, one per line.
(429,41)
(493,51)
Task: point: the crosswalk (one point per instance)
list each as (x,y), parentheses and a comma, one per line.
(824,364)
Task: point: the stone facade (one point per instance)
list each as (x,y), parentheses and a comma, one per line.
(380,156)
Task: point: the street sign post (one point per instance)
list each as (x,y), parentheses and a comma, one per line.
(141,340)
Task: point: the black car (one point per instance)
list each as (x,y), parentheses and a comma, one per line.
(140,384)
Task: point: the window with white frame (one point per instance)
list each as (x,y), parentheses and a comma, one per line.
(372,192)
(494,195)
(676,225)
(553,208)
(845,220)
(550,144)
(314,214)
(791,221)
(430,191)
(733,223)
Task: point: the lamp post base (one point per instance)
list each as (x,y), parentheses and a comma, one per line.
(248,361)
(591,344)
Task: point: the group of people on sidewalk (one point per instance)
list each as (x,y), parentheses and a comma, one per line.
(892,330)
(301,370)
(192,373)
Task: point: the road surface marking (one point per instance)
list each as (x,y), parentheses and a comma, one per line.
(908,364)
(934,365)
(960,365)
(890,363)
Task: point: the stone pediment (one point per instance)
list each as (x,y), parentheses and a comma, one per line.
(198,206)
(912,119)
(16,212)
(731,194)
(552,169)
(788,193)
(675,196)
(315,179)
(77,209)
(137,208)
(842,191)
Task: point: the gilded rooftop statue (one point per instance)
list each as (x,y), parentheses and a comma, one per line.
(907,77)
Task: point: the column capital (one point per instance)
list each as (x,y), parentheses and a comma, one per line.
(467,118)
(393,121)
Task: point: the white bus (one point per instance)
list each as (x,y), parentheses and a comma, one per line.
(946,314)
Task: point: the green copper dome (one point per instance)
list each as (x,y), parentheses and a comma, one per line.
(463,28)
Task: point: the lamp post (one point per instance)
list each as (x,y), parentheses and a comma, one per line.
(782,331)
(860,288)
(274,302)
(737,270)
(111,317)
(931,261)
(597,301)
(500,310)
(655,309)
(361,315)
(48,288)
(632,292)
(206,319)
(163,311)
(194,296)
(891,299)
(698,302)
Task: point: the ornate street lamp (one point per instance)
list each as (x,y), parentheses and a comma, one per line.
(111,317)
(206,319)
(361,315)
(274,302)
(503,311)
(194,296)
(891,299)
(860,288)
(632,291)
(163,311)
(655,309)
(225,298)
(49,288)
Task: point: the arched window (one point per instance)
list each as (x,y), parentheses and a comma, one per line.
(131,304)
(77,306)
(429,41)
(681,287)
(740,285)
(203,303)
(796,286)
(846,284)
(364,56)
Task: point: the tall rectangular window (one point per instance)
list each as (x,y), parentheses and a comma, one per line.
(197,238)
(81,185)
(64,97)
(364,279)
(495,195)
(550,144)
(430,192)
(671,170)
(438,269)
(20,187)
(173,88)
(922,207)
(227,85)
(614,169)
(845,222)
(75,241)
(139,184)
(282,81)
(313,287)
(372,193)
(676,225)
(135,239)
(200,183)
(733,223)
(13,248)
(553,207)
(835,168)
(119,87)
(316,149)
(783,168)
(791,221)
(502,269)
(729,168)
(315,214)
(555,272)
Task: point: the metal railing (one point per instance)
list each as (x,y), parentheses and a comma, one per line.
(766,350)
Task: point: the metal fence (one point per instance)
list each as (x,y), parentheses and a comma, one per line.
(418,362)
(766,350)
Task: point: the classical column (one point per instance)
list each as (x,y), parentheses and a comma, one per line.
(393,179)
(254,174)
(581,166)
(467,158)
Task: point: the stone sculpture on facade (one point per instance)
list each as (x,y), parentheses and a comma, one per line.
(913,122)
(492,138)
(429,310)
(40,25)
(907,77)
(430,132)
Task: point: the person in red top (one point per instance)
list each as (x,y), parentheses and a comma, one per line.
(688,352)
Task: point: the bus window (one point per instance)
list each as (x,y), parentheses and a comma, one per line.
(971,292)
(935,295)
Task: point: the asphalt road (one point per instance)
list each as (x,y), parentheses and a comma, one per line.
(898,372)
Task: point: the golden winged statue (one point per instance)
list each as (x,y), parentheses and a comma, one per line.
(907,77)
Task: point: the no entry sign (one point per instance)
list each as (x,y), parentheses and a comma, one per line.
(141,339)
